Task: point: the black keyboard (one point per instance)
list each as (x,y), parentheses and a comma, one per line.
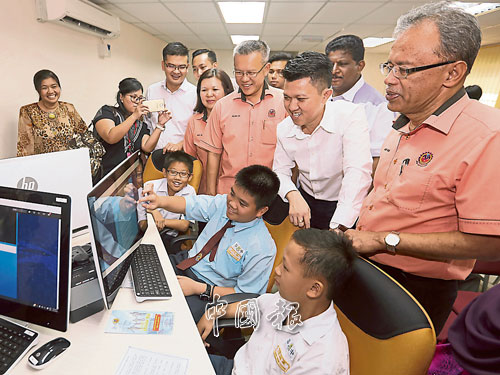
(15,342)
(147,275)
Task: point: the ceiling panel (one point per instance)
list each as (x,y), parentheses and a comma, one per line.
(322,29)
(195,12)
(290,13)
(171,28)
(364,31)
(282,28)
(148,28)
(149,12)
(244,29)
(387,14)
(207,28)
(345,12)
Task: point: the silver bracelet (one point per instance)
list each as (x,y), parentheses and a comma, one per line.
(162,128)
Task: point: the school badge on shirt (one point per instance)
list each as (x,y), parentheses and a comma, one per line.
(424,159)
(290,347)
(236,251)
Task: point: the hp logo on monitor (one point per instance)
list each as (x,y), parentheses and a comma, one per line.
(27,183)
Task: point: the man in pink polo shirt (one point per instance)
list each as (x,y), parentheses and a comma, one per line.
(434,207)
(241,129)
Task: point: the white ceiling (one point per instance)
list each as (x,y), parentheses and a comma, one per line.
(289,25)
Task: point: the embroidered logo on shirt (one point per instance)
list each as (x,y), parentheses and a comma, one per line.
(236,251)
(235,115)
(280,360)
(291,349)
(424,159)
(271,113)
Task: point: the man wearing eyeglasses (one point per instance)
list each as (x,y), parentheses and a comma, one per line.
(347,54)
(241,129)
(278,62)
(179,96)
(434,207)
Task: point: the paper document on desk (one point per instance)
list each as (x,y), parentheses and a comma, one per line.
(140,322)
(143,362)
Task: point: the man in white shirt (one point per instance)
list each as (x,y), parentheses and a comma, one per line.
(328,141)
(179,96)
(296,329)
(347,52)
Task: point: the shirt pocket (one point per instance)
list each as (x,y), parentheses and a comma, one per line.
(410,189)
(268,135)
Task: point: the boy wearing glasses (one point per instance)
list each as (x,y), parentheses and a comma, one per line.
(177,172)
(179,96)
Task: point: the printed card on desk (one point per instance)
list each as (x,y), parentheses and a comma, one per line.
(144,362)
(140,322)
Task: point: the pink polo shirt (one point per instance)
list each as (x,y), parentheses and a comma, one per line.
(194,131)
(243,133)
(441,177)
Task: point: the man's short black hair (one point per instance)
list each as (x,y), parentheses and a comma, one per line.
(313,65)
(179,156)
(348,43)
(175,49)
(280,56)
(326,254)
(260,182)
(211,54)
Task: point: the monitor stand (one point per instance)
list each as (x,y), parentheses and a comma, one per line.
(86,297)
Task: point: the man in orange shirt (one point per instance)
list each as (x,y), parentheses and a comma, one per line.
(241,129)
(434,207)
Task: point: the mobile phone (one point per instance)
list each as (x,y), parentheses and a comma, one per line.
(155,105)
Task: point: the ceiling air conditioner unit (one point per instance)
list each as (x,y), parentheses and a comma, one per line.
(81,15)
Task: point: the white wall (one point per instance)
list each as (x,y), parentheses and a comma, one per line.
(87,81)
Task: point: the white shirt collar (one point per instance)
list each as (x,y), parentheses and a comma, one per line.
(182,87)
(326,123)
(349,94)
(316,327)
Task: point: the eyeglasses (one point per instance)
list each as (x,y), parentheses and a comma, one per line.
(400,72)
(182,174)
(240,73)
(135,98)
(173,67)
(277,71)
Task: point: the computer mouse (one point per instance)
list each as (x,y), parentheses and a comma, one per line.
(48,352)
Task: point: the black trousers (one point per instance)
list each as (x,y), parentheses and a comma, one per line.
(435,295)
(321,211)
(196,305)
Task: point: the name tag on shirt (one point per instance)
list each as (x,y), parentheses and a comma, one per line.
(236,251)
(290,347)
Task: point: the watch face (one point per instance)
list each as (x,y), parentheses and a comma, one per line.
(392,239)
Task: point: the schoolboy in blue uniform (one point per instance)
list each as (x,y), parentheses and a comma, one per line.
(244,257)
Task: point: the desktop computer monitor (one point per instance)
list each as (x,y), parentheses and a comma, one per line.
(35,237)
(63,172)
(112,205)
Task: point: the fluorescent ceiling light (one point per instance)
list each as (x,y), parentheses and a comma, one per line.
(242,12)
(374,42)
(237,39)
(476,8)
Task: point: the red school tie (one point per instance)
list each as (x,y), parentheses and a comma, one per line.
(210,247)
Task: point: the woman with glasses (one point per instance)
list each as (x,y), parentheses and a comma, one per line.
(49,124)
(213,85)
(122,129)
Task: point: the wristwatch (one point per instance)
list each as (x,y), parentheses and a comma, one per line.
(207,294)
(340,227)
(391,241)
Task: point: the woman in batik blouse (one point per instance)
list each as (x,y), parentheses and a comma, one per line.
(49,124)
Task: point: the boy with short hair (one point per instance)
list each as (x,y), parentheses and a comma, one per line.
(177,172)
(316,264)
(241,249)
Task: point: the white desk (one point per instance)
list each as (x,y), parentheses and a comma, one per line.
(93,352)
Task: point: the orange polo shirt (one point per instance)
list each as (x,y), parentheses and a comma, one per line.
(243,133)
(441,177)
(194,131)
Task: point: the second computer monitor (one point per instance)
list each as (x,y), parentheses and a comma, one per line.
(113,215)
